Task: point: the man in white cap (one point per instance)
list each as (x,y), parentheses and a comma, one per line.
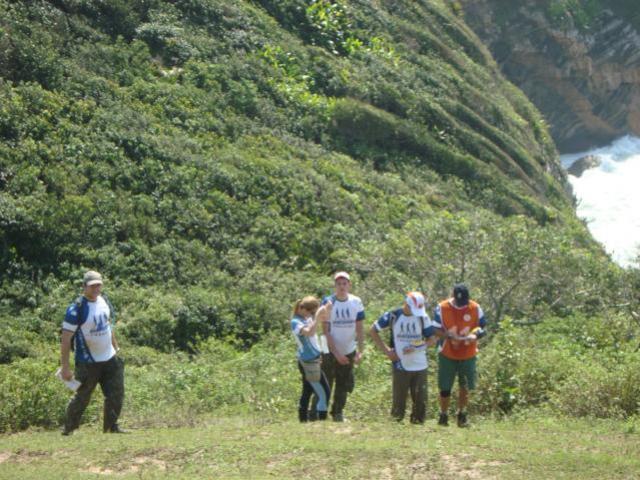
(88,324)
(342,316)
(411,333)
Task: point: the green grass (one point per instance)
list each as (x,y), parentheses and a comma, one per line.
(252,447)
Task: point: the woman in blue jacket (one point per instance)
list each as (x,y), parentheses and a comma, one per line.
(303,326)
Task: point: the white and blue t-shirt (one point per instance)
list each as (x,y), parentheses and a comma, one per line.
(344,315)
(408,333)
(308,348)
(92,326)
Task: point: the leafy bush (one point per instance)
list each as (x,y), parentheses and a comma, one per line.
(606,386)
(30,395)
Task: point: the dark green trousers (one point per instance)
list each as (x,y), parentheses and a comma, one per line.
(415,383)
(110,376)
(341,381)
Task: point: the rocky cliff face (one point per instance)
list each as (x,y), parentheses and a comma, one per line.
(586,81)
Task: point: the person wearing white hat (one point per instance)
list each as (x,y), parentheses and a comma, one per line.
(342,342)
(88,327)
(411,334)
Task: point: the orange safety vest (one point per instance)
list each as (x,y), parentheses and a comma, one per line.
(459,321)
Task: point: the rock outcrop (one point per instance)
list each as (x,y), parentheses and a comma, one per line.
(586,81)
(587,162)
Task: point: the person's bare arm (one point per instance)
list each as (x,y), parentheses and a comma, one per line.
(325,313)
(65,349)
(360,340)
(310,329)
(114,342)
(384,348)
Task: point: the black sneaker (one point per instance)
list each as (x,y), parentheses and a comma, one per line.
(337,417)
(322,416)
(462,420)
(312,415)
(66,432)
(443,421)
(116,429)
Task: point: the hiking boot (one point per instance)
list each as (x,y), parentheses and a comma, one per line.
(337,417)
(322,416)
(313,415)
(462,420)
(116,429)
(443,421)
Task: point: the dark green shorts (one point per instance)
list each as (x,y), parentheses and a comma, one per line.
(448,369)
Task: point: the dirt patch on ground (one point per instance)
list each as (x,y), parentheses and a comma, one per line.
(98,470)
(278,460)
(342,429)
(130,465)
(146,462)
(4,456)
(467,467)
(26,456)
(413,471)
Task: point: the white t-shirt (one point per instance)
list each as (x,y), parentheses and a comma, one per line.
(93,339)
(344,315)
(409,333)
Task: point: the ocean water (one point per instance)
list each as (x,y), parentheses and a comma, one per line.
(609,197)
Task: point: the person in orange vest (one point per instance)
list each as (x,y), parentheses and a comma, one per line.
(459,323)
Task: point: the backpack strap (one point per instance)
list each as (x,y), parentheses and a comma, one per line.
(392,320)
(78,302)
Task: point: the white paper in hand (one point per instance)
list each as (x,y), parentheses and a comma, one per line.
(322,343)
(72,384)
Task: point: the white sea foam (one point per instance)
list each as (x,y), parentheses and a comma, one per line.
(609,197)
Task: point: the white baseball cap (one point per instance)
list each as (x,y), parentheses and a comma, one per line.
(416,302)
(341,275)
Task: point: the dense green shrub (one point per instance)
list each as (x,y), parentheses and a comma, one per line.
(30,395)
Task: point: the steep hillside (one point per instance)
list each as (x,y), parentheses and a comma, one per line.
(217,159)
(578,61)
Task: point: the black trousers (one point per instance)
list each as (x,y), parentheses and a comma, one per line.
(341,381)
(409,382)
(110,376)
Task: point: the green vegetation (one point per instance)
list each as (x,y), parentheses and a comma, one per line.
(575,366)
(216,160)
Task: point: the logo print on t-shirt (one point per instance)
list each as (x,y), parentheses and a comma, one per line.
(343,316)
(101,323)
(466,317)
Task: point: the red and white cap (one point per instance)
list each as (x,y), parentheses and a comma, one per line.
(416,302)
(341,275)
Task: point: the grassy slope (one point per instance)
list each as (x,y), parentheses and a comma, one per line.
(253,448)
(192,150)
(157,109)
